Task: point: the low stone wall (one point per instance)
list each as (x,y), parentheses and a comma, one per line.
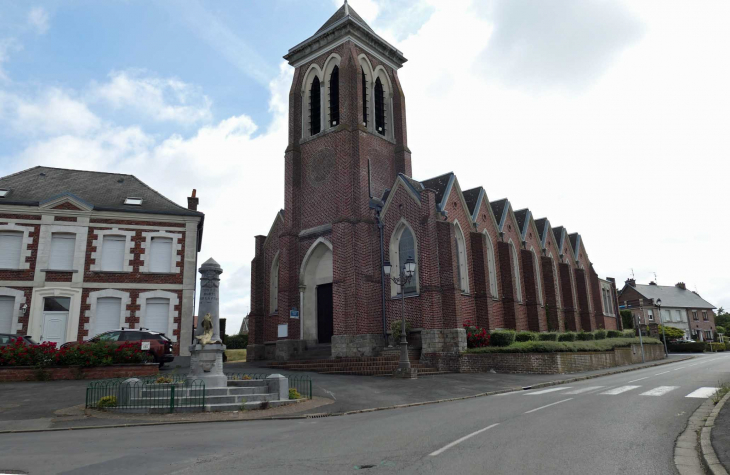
(541,363)
(29,373)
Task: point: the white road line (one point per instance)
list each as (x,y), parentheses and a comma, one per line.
(584,390)
(665,372)
(659,391)
(548,390)
(639,379)
(702,393)
(548,405)
(447,447)
(619,390)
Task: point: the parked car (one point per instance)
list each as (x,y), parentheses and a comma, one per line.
(160,347)
(8,338)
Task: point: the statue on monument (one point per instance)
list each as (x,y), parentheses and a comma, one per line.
(207,336)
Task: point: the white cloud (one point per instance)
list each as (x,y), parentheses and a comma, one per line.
(162,99)
(38,20)
(7,45)
(54,112)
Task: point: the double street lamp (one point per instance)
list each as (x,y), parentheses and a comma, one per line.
(658,304)
(406,274)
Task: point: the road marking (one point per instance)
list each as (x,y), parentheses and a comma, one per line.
(619,390)
(665,372)
(548,390)
(702,393)
(447,447)
(584,390)
(548,405)
(659,391)
(639,379)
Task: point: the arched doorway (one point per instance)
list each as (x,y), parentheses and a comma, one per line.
(315,285)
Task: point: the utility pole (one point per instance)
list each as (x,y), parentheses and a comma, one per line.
(641,339)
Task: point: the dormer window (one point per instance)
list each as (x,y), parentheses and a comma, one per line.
(4,193)
(133,201)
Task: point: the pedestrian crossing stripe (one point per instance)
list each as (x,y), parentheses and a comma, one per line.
(619,390)
(660,391)
(702,392)
(584,390)
(548,390)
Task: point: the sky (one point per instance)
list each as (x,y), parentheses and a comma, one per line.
(610,118)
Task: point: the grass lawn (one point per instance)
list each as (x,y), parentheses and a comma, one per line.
(236,355)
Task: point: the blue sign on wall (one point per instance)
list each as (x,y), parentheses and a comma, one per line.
(294,313)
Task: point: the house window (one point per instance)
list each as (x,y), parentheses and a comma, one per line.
(491,266)
(161,255)
(379,107)
(157,314)
(364,98)
(7,307)
(4,193)
(651,315)
(677,315)
(133,201)
(335,96)
(11,245)
(516,272)
(62,251)
(314,107)
(462,268)
(274,286)
(694,315)
(112,253)
(708,334)
(704,315)
(108,314)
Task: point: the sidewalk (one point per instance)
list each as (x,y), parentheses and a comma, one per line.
(721,436)
(59,404)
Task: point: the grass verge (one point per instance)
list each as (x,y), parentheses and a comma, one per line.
(564,346)
(236,355)
(720,393)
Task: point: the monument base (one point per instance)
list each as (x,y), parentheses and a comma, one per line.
(206,364)
(405,373)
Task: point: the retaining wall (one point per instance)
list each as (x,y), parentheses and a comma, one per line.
(29,373)
(541,363)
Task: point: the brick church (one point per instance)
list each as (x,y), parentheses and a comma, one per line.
(351,203)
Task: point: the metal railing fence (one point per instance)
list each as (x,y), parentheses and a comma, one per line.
(302,383)
(145,395)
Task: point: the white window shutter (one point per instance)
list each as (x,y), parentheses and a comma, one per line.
(108,314)
(62,251)
(11,245)
(157,315)
(160,255)
(112,253)
(7,305)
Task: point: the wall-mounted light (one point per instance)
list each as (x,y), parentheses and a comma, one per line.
(24,308)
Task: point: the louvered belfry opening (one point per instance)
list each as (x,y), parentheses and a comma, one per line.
(315,121)
(335,97)
(379,107)
(364,99)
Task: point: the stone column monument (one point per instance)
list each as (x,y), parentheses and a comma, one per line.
(206,354)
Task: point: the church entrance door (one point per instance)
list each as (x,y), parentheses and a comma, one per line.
(324,313)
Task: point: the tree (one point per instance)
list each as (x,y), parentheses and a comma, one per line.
(720,329)
(672,333)
(627,319)
(722,320)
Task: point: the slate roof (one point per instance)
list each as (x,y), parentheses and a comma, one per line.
(471,197)
(574,241)
(345,11)
(558,234)
(438,184)
(103,191)
(542,229)
(417,186)
(498,208)
(522,215)
(673,296)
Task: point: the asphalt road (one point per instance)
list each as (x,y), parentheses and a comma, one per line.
(625,423)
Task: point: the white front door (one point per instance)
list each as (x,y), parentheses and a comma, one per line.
(54,327)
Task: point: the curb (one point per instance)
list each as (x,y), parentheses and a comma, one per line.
(358,411)
(709,456)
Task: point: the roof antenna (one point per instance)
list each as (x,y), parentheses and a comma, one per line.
(632,273)
(656,281)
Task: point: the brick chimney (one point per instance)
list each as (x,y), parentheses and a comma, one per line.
(193,202)
(680,285)
(631,282)
(652,283)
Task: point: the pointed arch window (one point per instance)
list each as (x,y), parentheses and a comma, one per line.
(315,116)
(538,276)
(379,107)
(556,277)
(516,272)
(406,249)
(274,286)
(334,97)
(491,266)
(461,266)
(364,98)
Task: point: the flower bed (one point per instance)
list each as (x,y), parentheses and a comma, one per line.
(52,373)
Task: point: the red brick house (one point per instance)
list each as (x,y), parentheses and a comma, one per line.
(86,252)
(351,203)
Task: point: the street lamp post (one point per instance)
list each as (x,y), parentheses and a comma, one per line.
(406,274)
(661,322)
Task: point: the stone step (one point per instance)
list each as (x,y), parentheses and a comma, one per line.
(249,383)
(223,399)
(248,405)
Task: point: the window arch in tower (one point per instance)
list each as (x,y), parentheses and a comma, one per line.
(334,99)
(379,107)
(315,115)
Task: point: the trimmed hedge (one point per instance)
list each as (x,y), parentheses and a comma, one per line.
(526,336)
(235,342)
(563,346)
(613,334)
(549,336)
(584,336)
(698,347)
(567,336)
(600,334)
(502,337)
(716,347)
(629,333)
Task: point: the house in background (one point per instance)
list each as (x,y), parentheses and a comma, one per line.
(680,308)
(85,252)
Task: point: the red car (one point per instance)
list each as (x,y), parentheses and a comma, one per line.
(160,347)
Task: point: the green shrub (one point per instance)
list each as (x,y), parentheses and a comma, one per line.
(613,334)
(715,347)
(107,401)
(600,334)
(549,336)
(294,394)
(502,337)
(564,346)
(698,347)
(567,336)
(584,336)
(235,342)
(395,328)
(629,333)
(526,336)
